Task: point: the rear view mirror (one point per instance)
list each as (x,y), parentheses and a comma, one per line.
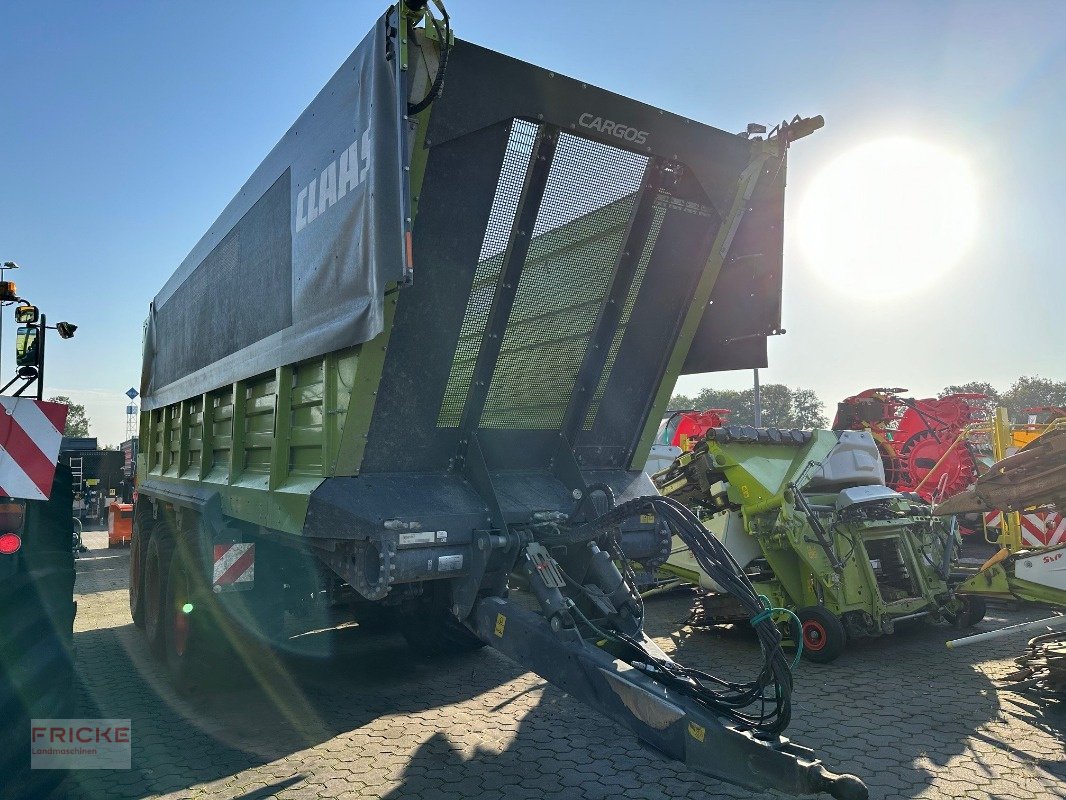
(26,346)
(27,315)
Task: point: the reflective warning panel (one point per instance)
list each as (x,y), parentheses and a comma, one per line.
(234,566)
(31,432)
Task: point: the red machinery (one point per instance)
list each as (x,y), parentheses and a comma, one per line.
(683,428)
(918,437)
(695,424)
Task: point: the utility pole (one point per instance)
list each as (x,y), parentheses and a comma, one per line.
(758,401)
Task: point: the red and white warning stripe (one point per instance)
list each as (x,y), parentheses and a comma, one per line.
(1044,528)
(31,432)
(1055,525)
(234,564)
(993,519)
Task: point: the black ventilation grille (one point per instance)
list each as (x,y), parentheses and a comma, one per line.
(493,247)
(627,309)
(581,226)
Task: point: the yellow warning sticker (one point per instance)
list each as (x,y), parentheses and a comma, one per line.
(501,621)
(647,519)
(697,732)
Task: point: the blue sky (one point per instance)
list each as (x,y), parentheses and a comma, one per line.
(127,127)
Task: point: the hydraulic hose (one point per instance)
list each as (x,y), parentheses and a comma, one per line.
(763,704)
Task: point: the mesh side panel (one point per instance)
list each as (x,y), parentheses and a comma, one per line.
(497,233)
(585,177)
(252,264)
(580,229)
(627,309)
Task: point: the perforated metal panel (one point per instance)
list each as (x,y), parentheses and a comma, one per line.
(446,349)
(579,232)
(627,310)
(493,248)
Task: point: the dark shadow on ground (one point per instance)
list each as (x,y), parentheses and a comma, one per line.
(897,709)
(1047,716)
(272,707)
(894,710)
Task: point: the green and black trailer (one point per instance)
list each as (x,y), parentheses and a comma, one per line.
(422,355)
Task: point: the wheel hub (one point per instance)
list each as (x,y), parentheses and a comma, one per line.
(813,635)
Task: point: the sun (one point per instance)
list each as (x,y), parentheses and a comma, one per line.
(890,217)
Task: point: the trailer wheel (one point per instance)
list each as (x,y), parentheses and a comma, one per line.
(156,566)
(973,611)
(142,530)
(823,634)
(136,587)
(431,629)
(191,646)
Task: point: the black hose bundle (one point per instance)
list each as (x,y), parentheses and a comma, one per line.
(771,691)
(445,39)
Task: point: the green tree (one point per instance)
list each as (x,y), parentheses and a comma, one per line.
(782,407)
(976,387)
(720,398)
(680,402)
(808,411)
(77,419)
(1032,392)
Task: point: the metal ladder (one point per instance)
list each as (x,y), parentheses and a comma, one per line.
(77,473)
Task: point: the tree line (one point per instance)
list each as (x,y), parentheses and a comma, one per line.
(787,407)
(782,406)
(1028,391)
(77,419)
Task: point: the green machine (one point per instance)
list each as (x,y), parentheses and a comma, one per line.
(808,517)
(422,354)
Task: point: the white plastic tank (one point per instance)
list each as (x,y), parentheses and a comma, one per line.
(855,461)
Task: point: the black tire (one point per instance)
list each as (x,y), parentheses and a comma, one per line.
(36,669)
(200,637)
(193,646)
(973,611)
(136,585)
(824,636)
(431,629)
(156,568)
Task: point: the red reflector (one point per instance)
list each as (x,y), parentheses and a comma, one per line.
(9,543)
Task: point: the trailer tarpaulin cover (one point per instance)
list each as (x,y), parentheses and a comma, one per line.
(297,263)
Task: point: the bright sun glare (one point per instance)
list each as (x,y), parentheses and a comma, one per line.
(890,217)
